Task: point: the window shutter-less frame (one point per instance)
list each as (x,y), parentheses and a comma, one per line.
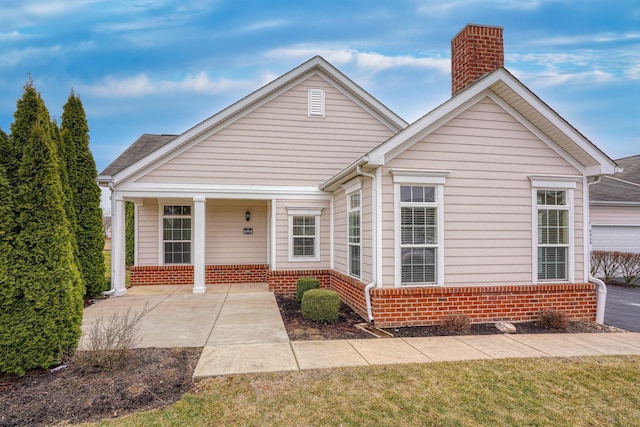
(316,102)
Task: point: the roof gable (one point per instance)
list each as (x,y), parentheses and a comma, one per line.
(143,154)
(523,104)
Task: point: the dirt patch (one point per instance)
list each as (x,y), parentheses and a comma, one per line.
(149,378)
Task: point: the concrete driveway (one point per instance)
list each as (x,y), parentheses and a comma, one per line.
(623,307)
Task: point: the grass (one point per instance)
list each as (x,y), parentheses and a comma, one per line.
(511,392)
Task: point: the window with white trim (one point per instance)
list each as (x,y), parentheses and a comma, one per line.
(553,235)
(355,228)
(418,234)
(304,234)
(176,234)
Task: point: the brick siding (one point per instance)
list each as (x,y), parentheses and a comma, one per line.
(475,51)
(183,274)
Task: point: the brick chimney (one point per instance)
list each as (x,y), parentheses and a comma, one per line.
(475,51)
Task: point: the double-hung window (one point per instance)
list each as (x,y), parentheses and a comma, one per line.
(304,234)
(355,229)
(553,228)
(553,235)
(176,234)
(418,234)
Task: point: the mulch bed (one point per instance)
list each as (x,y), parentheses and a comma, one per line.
(157,377)
(149,378)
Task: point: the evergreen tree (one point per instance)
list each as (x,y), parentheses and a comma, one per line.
(130,233)
(7,288)
(6,150)
(42,308)
(25,116)
(86,214)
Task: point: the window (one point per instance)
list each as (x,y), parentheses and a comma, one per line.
(553,234)
(355,226)
(176,234)
(304,234)
(418,234)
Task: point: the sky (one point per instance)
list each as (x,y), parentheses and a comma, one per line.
(163,66)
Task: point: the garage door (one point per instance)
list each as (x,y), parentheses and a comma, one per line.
(615,238)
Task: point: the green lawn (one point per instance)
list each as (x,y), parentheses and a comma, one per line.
(593,391)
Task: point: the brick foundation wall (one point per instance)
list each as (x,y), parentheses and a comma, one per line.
(428,306)
(183,274)
(243,273)
(351,292)
(284,281)
(161,275)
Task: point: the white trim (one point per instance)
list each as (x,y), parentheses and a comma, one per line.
(412,176)
(161,205)
(377,228)
(273,241)
(314,212)
(354,185)
(586,231)
(198,243)
(555,182)
(570,208)
(316,103)
(118,239)
(331,233)
(397,228)
(359,244)
(306,211)
(136,233)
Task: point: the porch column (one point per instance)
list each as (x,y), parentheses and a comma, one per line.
(118,258)
(199,237)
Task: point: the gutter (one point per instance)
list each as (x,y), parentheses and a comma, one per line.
(374,241)
(602,299)
(602,288)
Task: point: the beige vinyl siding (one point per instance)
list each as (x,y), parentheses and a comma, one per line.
(487,196)
(282,234)
(366,250)
(340,235)
(278,144)
(614,215)
(148,233)
(226,243)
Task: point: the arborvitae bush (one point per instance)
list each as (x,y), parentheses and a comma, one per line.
(41,306)
(130,234)
(304,284)
(87,214)
(321,305)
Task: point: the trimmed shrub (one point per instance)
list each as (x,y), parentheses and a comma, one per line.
(456,324)
(553,319)
(321,305)
(304,284)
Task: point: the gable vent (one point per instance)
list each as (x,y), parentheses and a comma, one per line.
(316,102)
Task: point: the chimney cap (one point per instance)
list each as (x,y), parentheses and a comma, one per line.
(497,27)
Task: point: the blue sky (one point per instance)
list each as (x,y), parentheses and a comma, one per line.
(143,66)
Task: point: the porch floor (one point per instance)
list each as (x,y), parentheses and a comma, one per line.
(241,331)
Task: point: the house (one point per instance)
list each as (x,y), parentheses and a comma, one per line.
(481,206)
(615,209)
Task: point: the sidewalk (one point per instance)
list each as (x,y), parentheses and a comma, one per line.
(241,331)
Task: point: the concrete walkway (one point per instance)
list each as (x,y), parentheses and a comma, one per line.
(241,331)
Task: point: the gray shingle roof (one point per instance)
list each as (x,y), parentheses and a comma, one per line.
(623,186)
(146,144)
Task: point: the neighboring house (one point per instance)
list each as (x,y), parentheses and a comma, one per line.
(615,209)
(480,206)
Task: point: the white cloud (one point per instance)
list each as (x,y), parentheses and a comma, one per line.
(554,78)
(14,57)
(428,7)
(586,39)
(263,25)
(12,35)
(142,85)
(370,61)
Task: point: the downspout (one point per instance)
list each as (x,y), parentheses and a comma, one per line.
(374,242)
(602,288)
(112,290)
